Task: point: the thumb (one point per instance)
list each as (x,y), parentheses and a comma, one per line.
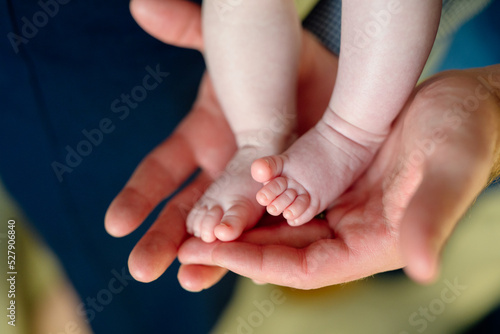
(464,144)
(175,22)
(441,200)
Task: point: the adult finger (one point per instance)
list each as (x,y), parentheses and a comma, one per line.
(195,251)
(195,277)
(300,263)
(325,262)
(176,22)
(157,176)
(156,250)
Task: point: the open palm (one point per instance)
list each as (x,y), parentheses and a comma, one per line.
(439,156)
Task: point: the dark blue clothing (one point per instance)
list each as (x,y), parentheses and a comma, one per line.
(75,65)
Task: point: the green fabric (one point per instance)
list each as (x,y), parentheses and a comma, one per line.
(35,266)
(304,7)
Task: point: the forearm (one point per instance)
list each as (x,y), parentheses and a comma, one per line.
(385,44)
(252,53)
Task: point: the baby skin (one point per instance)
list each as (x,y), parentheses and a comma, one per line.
(373,83)
(305,179)
(252,57)
(228,206)
(255,80)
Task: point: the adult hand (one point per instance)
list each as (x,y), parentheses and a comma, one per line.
(203,140)
(442,150)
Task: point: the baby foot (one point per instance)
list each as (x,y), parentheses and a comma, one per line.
(314,171)
(229,207)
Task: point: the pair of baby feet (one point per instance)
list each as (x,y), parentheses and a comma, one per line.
(299,183)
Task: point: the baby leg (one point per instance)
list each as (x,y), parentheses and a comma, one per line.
(252,51)
(377,73)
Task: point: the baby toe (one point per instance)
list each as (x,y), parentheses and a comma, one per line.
(271,191)
(267,168)
(233,223)
(211,220)
(282,202)
(195,219)
(297,209)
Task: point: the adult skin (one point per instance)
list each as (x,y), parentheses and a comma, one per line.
(443,149)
